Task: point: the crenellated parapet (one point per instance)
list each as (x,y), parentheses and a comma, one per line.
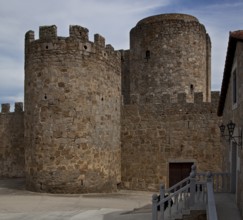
(78,32)
(5,107)
(12,157)
(76,43)
(48,32)
(181,98)
(178,104)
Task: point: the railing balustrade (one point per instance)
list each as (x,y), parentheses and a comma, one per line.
(195,191)
(211,206)
(221,181)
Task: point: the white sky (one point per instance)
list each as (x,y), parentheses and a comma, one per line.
(113,19)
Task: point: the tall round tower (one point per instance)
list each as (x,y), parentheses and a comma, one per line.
(72,112)
(169,54)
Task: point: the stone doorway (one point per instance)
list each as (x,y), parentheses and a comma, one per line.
(178,172)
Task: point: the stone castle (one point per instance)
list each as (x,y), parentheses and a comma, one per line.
(96,119)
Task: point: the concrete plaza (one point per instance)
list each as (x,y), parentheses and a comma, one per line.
(18,204)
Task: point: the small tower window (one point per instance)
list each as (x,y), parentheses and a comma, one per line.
(147,54)
(191,88)
(122,59)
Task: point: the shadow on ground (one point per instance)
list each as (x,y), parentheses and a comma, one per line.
(16,184)
(142,213)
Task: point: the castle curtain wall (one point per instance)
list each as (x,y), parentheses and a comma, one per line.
(153,135)
(168,113)
(12,156)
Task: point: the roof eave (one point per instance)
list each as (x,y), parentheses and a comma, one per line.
(234,37)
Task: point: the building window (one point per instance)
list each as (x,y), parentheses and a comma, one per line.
(234,87)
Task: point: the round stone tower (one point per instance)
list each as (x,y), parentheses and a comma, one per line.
(72,112)
(169,54)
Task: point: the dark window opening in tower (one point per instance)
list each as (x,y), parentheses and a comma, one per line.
(191,88)
(147,55)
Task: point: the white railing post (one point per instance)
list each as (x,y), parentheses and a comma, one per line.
(162,195)
(211,206)
(154,207)
(210,177)
(194,168)
(192,187)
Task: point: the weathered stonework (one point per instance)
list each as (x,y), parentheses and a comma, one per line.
(95,117)
(153,135)
(169,54)
(72,112)
(168,115)
(12,160)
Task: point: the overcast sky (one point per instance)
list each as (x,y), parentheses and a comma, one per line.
(113,19)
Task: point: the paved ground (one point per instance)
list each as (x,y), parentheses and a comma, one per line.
(226,206)
(18,204)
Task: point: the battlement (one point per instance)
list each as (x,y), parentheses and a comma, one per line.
(169,105)
(99,40)
(18,107)
(48,32)
(77,43)
(180,98)
(79,32)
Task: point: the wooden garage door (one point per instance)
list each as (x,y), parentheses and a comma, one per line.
(178,172)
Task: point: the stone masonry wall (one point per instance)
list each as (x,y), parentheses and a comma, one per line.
(72,112)
(12,162)
(155,134)
(125,80)
(78,137)
(169,54)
